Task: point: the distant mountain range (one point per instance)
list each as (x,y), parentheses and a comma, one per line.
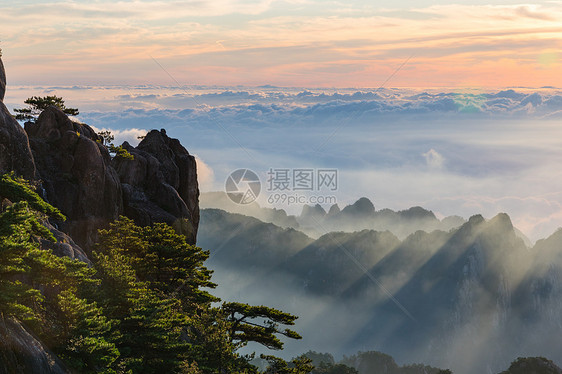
(471,297)
(316,221)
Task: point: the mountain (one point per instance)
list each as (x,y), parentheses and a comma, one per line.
(363,215)
(469,295)
(79,176)
(329,265)
(247,243)
(314,221)
(73,171)
(219,200)
(470,298)
(15,153)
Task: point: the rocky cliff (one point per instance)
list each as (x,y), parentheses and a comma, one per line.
(160,183)
(76,173)
(15,153)
(79,176)
(20,352)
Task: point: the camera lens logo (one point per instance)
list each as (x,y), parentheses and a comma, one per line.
(243,186)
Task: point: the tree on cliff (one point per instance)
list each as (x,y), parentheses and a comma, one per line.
(39,104)
(41,289)
(258,324)
(142,306)
(154,289)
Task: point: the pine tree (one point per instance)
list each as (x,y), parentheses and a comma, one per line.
(41,289)
(39,104)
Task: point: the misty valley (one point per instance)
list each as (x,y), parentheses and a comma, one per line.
(470,295)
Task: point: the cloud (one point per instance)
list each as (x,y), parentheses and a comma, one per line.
(209,42)
(433,159)
(533,12)
(130,135)
(205,176)
(466,151)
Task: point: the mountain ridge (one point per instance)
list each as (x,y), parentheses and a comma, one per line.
(428,297)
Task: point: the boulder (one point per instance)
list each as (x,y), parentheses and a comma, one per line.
(21,352)
(76,173)
(80,178)
(15,153)
(64,245)
(160,184)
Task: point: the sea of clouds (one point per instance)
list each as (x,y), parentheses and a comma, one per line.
(455,151)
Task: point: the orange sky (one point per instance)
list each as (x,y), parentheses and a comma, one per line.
(287,43)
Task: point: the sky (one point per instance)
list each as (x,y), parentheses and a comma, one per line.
(451,106)
(295,43)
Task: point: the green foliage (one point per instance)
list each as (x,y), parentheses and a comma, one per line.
(85,332)
(40,289)
(39,104)
(324,363)
(320,358)
(373,361)
(153,287)
(258,324)
(146,326)
(19,229)
(300,365)
(107,137)
(119,151)
(324,368)
(143,306)
(17,189)
(163,259)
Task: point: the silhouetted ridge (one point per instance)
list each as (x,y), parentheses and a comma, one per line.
(362,207)
(334,209)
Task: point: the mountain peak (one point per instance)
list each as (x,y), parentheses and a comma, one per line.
(334,209)
(502,220)
(91,188)
(476,219)
(417,212)
(363,206)
(316,211)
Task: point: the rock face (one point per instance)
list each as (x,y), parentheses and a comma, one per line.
(15,153)
(23,353)
(80,178)
(160,184)
(76,173)
(2,80)
(64,246)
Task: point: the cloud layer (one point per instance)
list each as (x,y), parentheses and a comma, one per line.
(457,152)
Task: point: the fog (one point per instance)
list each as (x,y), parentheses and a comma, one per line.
(455,152)
(472,299)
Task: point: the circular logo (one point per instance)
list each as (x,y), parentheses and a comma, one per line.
(243,186)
